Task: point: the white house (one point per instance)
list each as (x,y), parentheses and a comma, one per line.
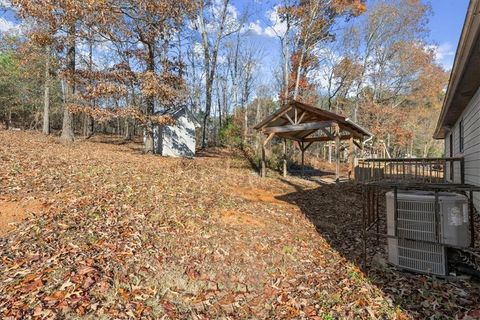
(459,121)
(178,140)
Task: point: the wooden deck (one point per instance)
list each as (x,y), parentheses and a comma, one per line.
(425,170)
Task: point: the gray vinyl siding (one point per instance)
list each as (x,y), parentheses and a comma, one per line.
(471,145)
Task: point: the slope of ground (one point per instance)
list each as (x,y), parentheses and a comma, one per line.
(117,234)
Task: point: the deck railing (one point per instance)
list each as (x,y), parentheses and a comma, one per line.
(427,170)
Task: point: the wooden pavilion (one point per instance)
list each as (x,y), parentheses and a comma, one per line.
(307,124)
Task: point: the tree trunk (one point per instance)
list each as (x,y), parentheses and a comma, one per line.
(90,127)
(427,147)
(35,121)
(128,133)
(210,63)
(150,102)
(208,97)
(46,95)
(297,80)
(67,126)
(208,105)
(89,124)
(8,118)
(204,131)
(148,147)
(234,95)
(245,132)
(285,66)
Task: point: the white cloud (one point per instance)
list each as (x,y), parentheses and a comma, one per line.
(5,4)
(8,26)
(444,54)
(198,49)
(278,27)
(255,28)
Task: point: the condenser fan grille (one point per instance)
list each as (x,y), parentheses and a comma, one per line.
(422,257)
(416,220)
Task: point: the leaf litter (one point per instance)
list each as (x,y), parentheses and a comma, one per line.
(123,235)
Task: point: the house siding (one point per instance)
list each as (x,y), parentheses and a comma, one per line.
(471,146)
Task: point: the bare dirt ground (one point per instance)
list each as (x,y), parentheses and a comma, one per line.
(101,231)
(12,212)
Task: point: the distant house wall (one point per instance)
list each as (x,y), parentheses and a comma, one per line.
(471,144)
(178,140)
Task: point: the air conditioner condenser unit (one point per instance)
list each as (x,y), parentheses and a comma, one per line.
(417,229)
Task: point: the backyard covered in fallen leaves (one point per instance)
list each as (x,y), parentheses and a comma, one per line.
(103,231)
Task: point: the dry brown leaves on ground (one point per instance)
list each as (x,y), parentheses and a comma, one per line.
(117,234)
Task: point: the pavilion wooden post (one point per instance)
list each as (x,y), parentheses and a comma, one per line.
(351,157)
(303,159)
(284,157)
(264,167)
(329,152)
(337,151)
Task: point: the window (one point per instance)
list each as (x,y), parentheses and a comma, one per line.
(460,136)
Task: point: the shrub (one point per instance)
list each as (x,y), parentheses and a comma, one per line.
(230,133)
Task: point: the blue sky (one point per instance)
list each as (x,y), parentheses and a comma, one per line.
(445,27)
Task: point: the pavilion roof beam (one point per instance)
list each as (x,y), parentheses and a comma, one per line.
(288,118)
(301,117)
(308,145)
(323,139)
(273,117)
(298,127)
(306,134)
(270,137)
(331,136)
(353,133)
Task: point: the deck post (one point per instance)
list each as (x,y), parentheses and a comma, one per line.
(364,229)
(284,157)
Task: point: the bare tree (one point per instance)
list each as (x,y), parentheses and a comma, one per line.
(46,95)
(210,52)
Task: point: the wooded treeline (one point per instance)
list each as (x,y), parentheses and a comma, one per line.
(77,68)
